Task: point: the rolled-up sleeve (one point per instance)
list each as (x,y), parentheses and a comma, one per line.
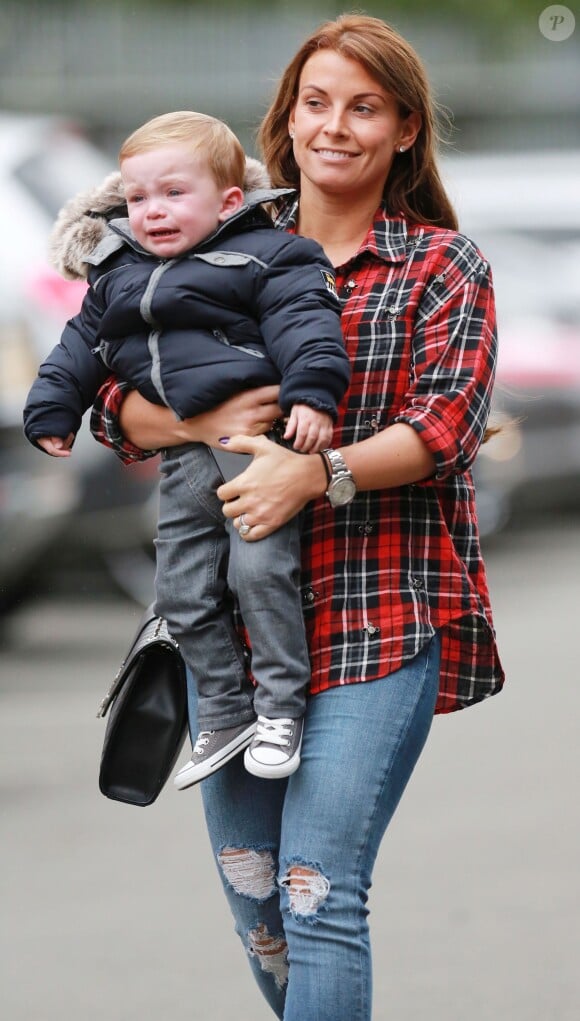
(105,425)
(454,358)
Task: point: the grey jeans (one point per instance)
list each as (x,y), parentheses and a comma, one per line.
(202,567)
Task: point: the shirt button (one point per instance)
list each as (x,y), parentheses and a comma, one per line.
(366,528)
(371,629)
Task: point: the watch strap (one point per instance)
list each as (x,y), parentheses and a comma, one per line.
(336,463)
(327,466)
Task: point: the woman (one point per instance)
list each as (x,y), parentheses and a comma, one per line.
(395,595)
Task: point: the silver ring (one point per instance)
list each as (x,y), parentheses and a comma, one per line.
(244,527)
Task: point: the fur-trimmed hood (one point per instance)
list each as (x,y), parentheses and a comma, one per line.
(83,222)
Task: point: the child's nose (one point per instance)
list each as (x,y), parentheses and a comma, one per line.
(155,208)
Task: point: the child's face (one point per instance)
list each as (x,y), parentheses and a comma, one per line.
(173,200)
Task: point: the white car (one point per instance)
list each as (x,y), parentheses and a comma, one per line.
(43,162)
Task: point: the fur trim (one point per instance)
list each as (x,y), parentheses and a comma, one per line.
(256,175)
(82,222)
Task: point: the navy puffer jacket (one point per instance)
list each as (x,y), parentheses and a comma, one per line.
(249,306)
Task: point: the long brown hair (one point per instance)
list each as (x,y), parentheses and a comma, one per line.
(414,186)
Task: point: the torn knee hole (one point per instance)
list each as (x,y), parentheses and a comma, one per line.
(250,873)
(307,889)
(272,953)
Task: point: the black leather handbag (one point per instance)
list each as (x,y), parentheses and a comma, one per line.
(147,716)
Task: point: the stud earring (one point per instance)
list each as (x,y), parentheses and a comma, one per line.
(291,133)
(402,148)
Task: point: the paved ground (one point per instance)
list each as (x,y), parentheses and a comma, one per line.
(113,912)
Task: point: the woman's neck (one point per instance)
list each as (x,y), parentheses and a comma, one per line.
(337,223)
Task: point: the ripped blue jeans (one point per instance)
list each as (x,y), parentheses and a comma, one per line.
(296,856)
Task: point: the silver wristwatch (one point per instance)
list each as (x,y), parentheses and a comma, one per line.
(341,485)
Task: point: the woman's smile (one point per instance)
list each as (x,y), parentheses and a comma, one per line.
(337,155)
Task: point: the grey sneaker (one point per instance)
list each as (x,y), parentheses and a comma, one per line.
(211,751)
(275,750)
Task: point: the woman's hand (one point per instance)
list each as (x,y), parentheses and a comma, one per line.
(279,483)
(273,489)
(150,426)
(250,413)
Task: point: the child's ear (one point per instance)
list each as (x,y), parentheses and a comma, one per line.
(232,200)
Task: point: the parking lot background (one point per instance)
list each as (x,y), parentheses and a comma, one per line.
(114,911)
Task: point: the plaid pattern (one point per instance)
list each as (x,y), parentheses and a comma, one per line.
(380,575)
(105,422)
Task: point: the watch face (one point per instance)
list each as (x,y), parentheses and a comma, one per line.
(341,491)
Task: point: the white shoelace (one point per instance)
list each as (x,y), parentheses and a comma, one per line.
(202,740)
(274,731)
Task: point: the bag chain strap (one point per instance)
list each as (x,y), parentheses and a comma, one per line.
(155,631)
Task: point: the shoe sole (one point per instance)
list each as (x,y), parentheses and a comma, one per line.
(272,772)
(197,773)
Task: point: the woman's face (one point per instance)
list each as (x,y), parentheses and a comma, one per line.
(346,127)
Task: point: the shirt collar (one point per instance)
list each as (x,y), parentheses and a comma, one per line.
(387,237)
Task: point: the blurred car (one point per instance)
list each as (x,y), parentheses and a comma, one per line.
(523,211)
(89,499)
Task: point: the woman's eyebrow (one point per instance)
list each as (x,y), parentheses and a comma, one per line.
(358,95)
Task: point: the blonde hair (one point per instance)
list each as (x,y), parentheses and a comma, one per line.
(414,186)
(213,140)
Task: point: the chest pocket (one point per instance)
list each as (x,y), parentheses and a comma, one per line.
(225,259)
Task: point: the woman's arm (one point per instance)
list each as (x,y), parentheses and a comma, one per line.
(149,425)
(134,428)
(454,358)
(279,483)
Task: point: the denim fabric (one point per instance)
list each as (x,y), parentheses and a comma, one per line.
(308,944)
(200,556)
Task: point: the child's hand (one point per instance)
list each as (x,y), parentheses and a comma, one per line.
(56,446)
(312,430)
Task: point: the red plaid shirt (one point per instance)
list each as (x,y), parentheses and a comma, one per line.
(380,575)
